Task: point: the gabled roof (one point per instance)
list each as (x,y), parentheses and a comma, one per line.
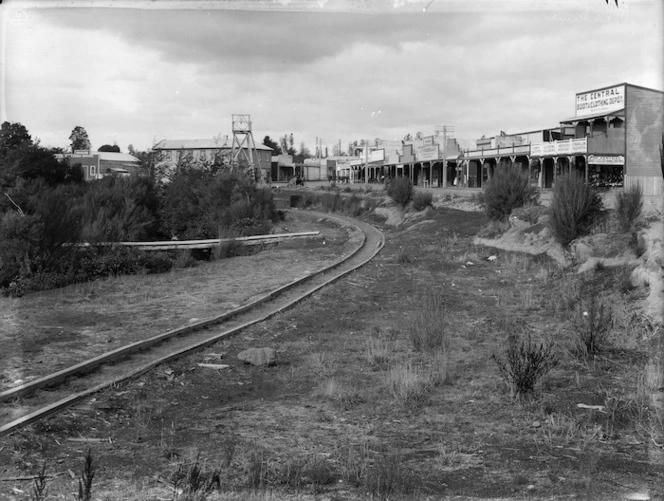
(200,144)
(116,157)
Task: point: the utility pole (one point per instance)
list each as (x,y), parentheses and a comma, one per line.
(444,129)
(366,163)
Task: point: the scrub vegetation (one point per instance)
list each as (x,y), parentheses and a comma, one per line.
(575,208)
(508,189)
(46,210)
(400,189)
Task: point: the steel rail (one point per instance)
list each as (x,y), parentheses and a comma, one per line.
(371,243)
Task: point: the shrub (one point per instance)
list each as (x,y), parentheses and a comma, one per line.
(575,208)
(422,200)
(88,264)
(197,202)
(400,190)
(525,364)
(629,205)
(118,209)
(508,189)
(591,326)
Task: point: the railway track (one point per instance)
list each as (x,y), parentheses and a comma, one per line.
(48,395)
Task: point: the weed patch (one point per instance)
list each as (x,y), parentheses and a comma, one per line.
(629,206)
(422,200)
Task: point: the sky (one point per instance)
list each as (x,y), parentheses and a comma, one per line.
(138,71)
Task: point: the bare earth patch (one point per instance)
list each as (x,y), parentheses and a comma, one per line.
(47,331)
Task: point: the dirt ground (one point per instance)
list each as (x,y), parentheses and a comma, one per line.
(47,331)
(327,422)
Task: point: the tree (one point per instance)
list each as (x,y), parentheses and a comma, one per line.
(131,150)
(107,147)
(36,162)
(267,141)
(79,139)
(13,136)
(302,154)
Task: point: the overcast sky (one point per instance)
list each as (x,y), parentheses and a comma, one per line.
(142,71)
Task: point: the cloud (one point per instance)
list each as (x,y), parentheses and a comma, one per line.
(132,75)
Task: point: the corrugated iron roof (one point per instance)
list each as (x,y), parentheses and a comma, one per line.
(617,113)
(116,157)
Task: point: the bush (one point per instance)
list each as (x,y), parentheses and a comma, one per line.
(422,200)
(591,326)
(198,202)
(400,190)
(508,189)
(116,209)
(575,208)
(525,364)
(88,264)
(629,205)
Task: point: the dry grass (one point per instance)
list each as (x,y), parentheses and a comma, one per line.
(360,405)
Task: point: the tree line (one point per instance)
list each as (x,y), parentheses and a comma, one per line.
(46,209)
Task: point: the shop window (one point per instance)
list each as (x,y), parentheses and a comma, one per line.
(606,176)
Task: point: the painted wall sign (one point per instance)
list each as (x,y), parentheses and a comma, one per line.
(606,160)
(600,101)
(425,153)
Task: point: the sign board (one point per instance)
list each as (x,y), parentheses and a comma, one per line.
(376,156)
(600,101)
(554,148)
(426,153)
(427,141)
(81,152)
(408,154)
(606,160)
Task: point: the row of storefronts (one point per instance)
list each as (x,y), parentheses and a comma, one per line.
(612,140)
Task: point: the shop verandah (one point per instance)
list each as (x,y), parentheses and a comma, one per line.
(544,162)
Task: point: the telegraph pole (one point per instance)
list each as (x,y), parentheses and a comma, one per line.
(366,163)
(444,129)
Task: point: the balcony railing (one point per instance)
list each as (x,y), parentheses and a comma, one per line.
(505,150)
(554,148)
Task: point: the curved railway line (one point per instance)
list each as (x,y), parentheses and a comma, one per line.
(48,395)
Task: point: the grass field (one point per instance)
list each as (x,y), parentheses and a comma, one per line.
(386,387)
